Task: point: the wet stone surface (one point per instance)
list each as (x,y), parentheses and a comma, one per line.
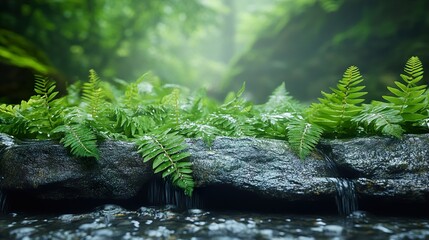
(114,222)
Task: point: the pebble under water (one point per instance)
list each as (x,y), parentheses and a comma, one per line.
(114,222)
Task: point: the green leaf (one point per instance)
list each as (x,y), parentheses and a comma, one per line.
(335,111)
(80,139)
(409,98)
(303,136)
(169,155)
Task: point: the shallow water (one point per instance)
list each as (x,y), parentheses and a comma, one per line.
(113,222)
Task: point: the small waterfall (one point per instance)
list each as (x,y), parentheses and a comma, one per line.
(345,198)
(2,200)
(162,192)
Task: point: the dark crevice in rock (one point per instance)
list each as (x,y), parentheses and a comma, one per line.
(335,169)
(224,197)
(19,202)
(394,207)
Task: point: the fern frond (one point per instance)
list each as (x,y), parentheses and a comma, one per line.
(409,97)
(281,101)
(80,139)
(303,136)
(336,109)
(235,104)
(168,154)
(12,121)
(382,118)
(230,124)
(172,101)
(42,110)
(199,130)
(92,95)
(45,88)
(133,123)
(271,125)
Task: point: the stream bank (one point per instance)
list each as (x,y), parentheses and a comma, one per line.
(234,173)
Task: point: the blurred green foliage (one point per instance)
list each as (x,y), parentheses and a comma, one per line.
(117,37)
(215,44)
(308,43)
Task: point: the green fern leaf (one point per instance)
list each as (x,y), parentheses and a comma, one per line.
(45,88)
(280,101)
(230,124)
(199,129)
(172,101)
(234,103)
(80,139)
(336,109)
(382,118)
(303,136)
(130,123)
(12,121)
(409,97)
(44,111)
(92,95)
(169,155)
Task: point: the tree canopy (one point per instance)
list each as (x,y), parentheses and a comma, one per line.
(216,44)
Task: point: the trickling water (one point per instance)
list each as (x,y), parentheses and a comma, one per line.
(346,198)
(114,222)
(2,202)
(163,193)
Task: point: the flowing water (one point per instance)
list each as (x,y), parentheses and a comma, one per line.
(345,198)
(180,217)
(113,222)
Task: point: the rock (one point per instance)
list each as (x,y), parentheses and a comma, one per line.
(48,171)
(382,168)
(390,168)
(266,167)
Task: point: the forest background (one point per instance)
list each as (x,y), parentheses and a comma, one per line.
(211,44)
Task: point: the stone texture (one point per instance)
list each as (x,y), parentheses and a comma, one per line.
(46,169)
(266,167)
(384,167)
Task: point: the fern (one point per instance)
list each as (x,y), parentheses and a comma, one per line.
(337,109)
(303,136)
(409,98)
(230,125)
(234,103)
(80,139)
(199,129)
(271,118)
(133,123)
(382,118)
(280,101)
(45,88)
(12,121)
(169,157)
(172,101)
(92,95)
(42,110)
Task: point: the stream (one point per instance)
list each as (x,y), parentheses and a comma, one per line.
(114,222)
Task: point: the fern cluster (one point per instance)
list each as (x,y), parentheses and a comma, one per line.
(158,117)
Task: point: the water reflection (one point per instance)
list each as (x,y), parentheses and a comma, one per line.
(114,222)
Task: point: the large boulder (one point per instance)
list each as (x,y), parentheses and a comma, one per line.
(266,167)
(45,169)
(245,168)
(381,167)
